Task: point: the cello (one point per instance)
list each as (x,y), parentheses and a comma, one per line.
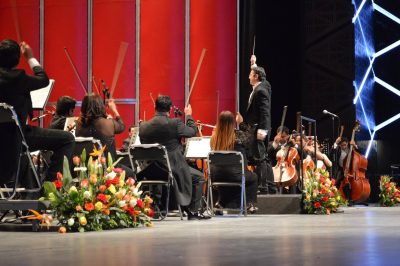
(285,173)
(354,173)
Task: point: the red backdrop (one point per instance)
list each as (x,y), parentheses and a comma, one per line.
(162,53)
(113,23)
(213,27)
(162,49)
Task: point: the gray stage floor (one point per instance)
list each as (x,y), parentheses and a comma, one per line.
(359,236)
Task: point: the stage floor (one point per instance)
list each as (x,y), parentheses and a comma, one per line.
(359,236)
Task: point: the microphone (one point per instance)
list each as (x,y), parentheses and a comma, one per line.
(329,113)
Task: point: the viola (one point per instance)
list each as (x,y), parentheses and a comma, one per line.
(354,173)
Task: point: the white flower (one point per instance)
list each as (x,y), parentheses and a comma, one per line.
(111,175)
(71,221)
(87,194)
(121,203)
(132,203)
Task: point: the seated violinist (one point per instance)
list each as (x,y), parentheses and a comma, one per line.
(64,109)
(323,160)
(280,140)
(225,138)
(94,122)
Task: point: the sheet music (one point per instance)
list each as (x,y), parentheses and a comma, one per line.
(41,96)
(198,147)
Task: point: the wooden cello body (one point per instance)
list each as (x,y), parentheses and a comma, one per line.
(354,174)
(285,173)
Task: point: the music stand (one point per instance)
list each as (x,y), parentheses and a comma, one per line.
(41,96)
(197,147)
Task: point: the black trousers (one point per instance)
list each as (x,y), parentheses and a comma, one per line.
(59,141)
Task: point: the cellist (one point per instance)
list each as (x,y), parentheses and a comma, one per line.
(341,148)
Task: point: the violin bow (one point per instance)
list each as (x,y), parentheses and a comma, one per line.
(203,53)
(95,85)
(254,44)
(75,70)
(152,99)
(16,20)
(121,56)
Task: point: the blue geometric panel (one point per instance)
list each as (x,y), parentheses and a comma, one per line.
(366,79)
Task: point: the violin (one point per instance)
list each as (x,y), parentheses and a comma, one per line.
(354,173)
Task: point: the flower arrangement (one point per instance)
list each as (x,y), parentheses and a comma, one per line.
(99,198)
(389,194)
(320,193)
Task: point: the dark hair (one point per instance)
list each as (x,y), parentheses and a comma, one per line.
(9,54)
(163,103)
(64,105)
(92,108)
(282,129)
(344,139)
(260,72)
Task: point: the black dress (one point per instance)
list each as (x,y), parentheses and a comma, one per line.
(229,197)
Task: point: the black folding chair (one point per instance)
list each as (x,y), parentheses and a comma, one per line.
(147,154)
(9,120)
(226,159)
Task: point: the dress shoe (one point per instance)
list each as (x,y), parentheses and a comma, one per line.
(251,209)
(197,216)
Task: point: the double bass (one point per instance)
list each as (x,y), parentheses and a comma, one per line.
(285,173)
(354,173)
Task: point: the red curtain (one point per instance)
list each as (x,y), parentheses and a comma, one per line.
(213,27)
(162,53)
(113,24)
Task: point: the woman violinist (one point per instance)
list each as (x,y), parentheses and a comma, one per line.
(225,138)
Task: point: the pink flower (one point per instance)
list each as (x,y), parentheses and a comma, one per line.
(130,181)
(117,170)
(84,183)
(59,176)
(76,160)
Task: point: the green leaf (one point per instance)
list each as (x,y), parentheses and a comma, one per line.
(49,187)
(67,178)
(83,157)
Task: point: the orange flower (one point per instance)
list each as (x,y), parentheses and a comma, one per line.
(106,211)
(62,230)
(102,188)
(89,206)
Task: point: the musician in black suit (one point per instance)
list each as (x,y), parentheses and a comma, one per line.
(15,88)
(168,132)
(257,120)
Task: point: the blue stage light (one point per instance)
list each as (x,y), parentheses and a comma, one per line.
(386,13)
